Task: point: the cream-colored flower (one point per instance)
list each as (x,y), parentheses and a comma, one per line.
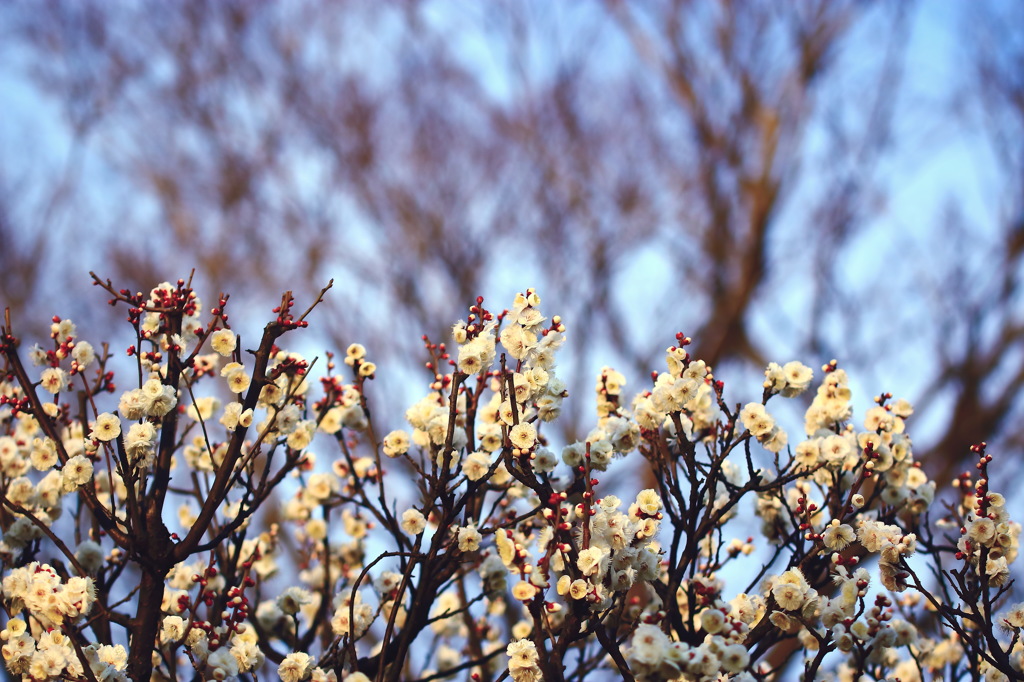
(54,380)
(838,536)
(592,561)
(476,465)
(469,539)
(523,435)
(413,521)
(522,654)
(524,591)
(295,667)
(396,443)
(107,427)
(355,351)
(788,596)
(756,420)
(649,645)
(223,341)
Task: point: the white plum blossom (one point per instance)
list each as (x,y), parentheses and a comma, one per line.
(499,544)
(396,443)
(295,667)
(223,342)
(413,521)
(107,427)
(523,436)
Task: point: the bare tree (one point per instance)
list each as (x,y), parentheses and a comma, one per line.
(980,327)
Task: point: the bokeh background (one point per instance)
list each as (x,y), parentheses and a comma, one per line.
(812,179)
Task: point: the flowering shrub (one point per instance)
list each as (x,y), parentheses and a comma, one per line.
(206,540)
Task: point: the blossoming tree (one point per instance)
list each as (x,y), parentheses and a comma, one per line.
(206,539)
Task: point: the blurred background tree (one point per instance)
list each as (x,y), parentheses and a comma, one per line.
(739,171)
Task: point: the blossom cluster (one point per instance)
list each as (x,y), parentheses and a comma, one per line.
(37,647)
(270,522)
